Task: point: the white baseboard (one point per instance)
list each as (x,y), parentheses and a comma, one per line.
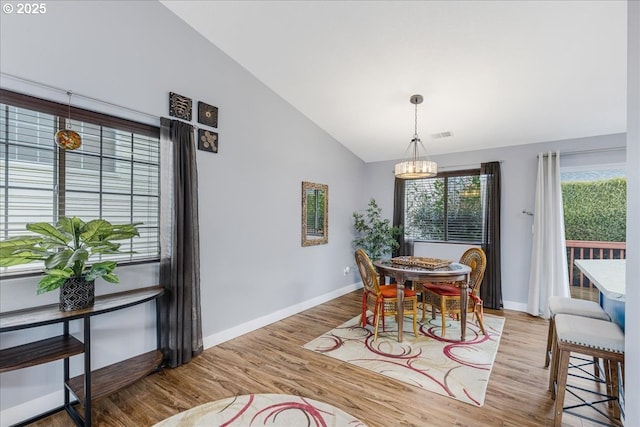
(29,409)
(236,331)
(516,306)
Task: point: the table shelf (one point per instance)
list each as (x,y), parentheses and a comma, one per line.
(112,378)
(50,314)
(39,352)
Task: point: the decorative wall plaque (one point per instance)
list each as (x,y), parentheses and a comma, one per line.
(207,140)
(207,114)
(180,106)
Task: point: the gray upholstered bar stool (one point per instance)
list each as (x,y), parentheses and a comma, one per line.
(576,307)
(591,337)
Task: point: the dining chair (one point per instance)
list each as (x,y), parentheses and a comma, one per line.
(383,298)
(446,297)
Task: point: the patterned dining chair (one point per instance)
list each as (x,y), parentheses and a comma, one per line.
(383,298)
(446,297)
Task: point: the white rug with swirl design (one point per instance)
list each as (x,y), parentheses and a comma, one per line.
(456,369)
(276,410)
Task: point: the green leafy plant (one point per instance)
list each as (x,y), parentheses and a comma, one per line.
(66,249)
(376,235)
(595,210)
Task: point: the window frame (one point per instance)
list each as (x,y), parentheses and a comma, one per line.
(446,175)
(61,112)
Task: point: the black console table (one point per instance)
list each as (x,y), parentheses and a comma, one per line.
(90,385)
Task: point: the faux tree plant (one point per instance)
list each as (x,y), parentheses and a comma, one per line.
(376,235)
(66,249)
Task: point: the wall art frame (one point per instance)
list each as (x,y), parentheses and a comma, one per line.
(207,114)
(180,106)
(207,140)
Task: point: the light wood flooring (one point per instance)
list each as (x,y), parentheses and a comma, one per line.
(272,360)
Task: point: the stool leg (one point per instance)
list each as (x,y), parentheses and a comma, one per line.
(553,372)
(563,368)
(613,366)
(547,358)
(608,366)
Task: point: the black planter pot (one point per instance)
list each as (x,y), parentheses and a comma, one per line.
(77,293)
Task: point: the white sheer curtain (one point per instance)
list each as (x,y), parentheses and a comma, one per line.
(549,274)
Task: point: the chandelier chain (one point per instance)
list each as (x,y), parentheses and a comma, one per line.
(415,122)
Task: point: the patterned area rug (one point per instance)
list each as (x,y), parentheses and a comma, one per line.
(277,410)
(445,366)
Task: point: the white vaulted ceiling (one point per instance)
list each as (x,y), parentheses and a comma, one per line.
(494,73)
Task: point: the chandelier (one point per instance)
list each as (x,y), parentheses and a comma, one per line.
(416,165)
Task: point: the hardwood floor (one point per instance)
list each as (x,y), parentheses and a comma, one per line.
(272,360)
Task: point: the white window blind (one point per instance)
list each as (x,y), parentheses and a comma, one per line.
(445,208)
(114,175)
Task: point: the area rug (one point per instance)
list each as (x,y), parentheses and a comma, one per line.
(446,366)
(275,410)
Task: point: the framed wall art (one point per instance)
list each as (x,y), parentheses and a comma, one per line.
(207,140)
(207,114)
(180,106)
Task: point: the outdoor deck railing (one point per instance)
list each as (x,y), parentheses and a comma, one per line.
(581,286)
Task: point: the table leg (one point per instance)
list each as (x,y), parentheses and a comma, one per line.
(400,310)
(464,296)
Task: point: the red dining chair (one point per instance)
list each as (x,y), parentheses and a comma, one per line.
(446,297)
(383,298)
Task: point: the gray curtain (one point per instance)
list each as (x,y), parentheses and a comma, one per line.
(491,289)
(406,246)
(180,323)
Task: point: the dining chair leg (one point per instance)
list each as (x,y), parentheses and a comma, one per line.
(423,298)
(376,321)
(480,322)
(443,314)
(363,316)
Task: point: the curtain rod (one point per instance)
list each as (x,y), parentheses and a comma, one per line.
(576,152)
(467,166)
(79,95)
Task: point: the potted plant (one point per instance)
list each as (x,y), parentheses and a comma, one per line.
(376,236)
(66,249)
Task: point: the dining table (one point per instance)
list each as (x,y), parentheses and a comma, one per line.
(453,272)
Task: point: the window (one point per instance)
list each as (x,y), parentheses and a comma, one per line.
(595,203)
(114,175)
(445,208)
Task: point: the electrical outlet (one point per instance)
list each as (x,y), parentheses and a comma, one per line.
(346,270)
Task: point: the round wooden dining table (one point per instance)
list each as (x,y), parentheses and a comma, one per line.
(455,272)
